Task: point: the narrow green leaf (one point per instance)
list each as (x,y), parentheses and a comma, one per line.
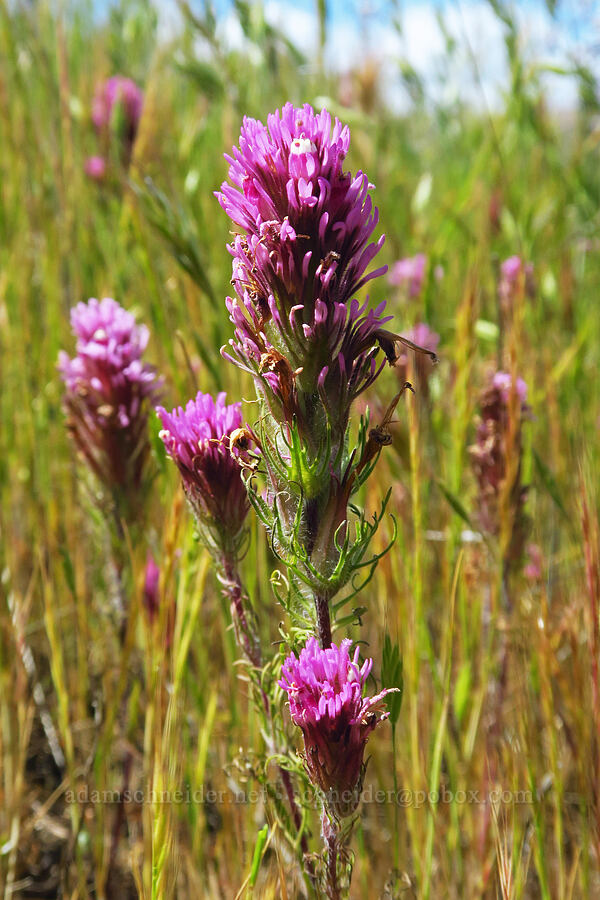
(205,76)
(549,482)
(261,840)
(455,503)
(462,690)
(392,676)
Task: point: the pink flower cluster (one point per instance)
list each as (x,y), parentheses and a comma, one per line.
(116,113)
(303,252)
(502,381)
(118,94)
(95,167)
(151,591)
(200,439)
(512,271)
(325,694)
(534,568)
(108,391)
(409,274)
(491,465)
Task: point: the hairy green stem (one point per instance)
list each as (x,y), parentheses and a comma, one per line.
(245,631)
(331,882)
(249,642)
(333,890)
(323,620)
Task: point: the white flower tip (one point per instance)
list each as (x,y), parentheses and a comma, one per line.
(302,145)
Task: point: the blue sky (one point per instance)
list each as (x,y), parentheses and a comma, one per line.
(571,14)
(367,28)
(360,28)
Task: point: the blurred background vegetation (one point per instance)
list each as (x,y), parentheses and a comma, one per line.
(497,695)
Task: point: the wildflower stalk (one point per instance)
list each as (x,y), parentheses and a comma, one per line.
(332,855)
(496,458)
(116,114)
(325,692)
(414,638)
(301,250)
(248,641)
(210,446)
(108,393)
(109,389)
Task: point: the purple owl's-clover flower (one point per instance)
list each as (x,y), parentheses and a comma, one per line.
(117,110)
(534,569)
(209,445)
(325,694)
(488,454)
(409,274)
(152,601)
(151,592)
(514,273)
(200,439)
(502,381)
(108,392)
(120,93)
(490,459)
(303,251)
(95,168)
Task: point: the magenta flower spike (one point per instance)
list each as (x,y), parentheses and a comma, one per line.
(95,168)
(200,439)
(511,268)
(325,694)
(150,594)
(409,274)
(108,391)
(534,568)
(121,91)
(512,271)
(302,251)
(491,465)
(117,109)
(488,453)
(502,381)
